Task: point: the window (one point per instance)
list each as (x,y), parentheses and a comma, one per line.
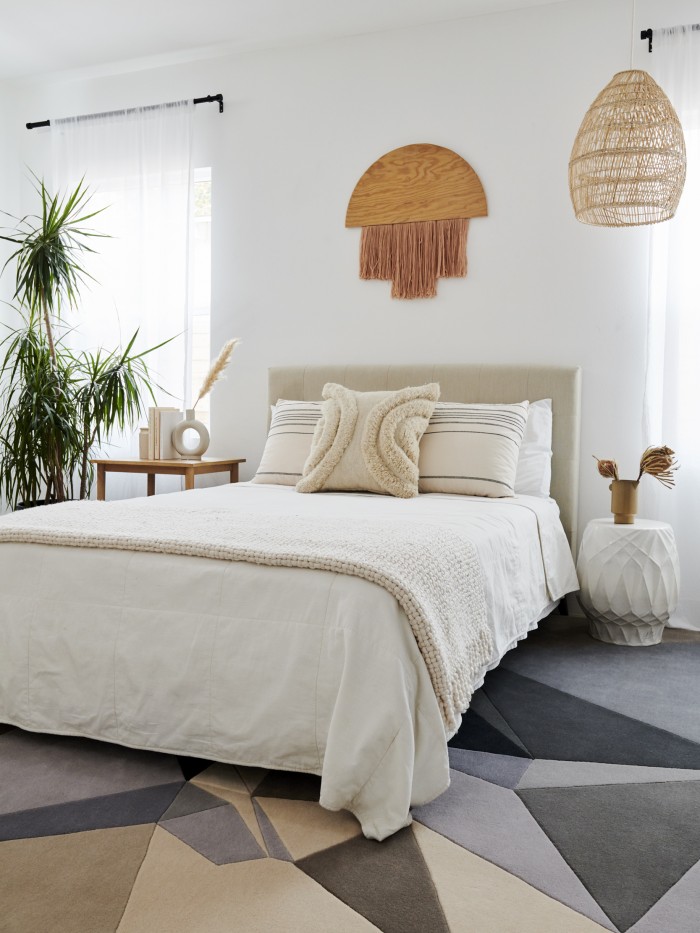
(200,317)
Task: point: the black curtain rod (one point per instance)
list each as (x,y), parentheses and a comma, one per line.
(648,34)
(209,99)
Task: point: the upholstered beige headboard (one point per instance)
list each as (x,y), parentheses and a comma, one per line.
(468,383)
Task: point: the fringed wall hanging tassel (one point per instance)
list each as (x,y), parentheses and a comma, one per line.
(414,206)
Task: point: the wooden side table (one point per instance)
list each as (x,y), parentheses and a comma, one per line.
(629,580)
(187,468)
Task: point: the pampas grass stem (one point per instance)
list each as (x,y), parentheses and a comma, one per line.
(217,369)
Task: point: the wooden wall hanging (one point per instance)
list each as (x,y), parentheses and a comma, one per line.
(414,206)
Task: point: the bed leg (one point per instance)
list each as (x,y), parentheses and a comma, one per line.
(563,607)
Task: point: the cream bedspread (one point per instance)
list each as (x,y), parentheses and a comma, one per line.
(282,667)
(433,573)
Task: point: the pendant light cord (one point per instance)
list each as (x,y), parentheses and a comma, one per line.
(634,4)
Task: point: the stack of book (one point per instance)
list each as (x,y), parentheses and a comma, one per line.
(161,422)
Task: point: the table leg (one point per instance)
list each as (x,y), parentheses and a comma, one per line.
(234,474)
(151,489)
(189,478)
(101,481)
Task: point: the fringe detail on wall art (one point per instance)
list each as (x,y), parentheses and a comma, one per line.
(414,255)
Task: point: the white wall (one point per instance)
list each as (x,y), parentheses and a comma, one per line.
(9,174)
(301,124)
(9,171)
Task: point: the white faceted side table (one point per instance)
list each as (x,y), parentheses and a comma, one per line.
(629,580)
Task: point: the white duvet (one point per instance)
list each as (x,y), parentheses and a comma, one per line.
(287,668)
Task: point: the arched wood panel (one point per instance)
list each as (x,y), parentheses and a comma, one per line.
(416,182)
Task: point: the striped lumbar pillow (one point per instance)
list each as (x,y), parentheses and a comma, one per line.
(288,442)
(472,450)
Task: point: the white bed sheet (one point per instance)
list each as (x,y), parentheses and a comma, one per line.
(277,667)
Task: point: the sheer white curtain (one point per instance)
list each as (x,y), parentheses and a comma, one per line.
(672,398)
(138,163)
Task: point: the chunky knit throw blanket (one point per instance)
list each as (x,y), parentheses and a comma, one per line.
(433,573)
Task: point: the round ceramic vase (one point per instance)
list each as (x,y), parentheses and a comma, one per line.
(178,437)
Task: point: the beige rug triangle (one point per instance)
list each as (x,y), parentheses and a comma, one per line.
(252,777)
(479,896)
(70,883)
(178,891)
(225,777)
(305,827)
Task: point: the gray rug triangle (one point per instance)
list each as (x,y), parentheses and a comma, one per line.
(192,799)
(493,822)
(44,770)
(289,785)
(558,726)
(544,773)
(498,769)
(628,843)
(219,834)
(388,882)
(481,705)
(574,663)
(275,847)
(678,910)
(132,808)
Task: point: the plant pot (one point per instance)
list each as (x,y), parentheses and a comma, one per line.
(21,506)
(624,500)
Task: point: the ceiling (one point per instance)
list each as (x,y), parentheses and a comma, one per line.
(58,35)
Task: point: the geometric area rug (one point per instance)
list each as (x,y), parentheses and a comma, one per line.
(574,807)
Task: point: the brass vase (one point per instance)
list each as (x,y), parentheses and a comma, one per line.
(624,500)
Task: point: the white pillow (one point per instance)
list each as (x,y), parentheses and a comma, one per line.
(472,450)
(288,442)
(534,473)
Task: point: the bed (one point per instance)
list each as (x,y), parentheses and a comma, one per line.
(281,666)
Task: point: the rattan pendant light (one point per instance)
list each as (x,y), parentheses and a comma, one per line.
(627,165)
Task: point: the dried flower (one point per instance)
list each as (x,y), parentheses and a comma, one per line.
(607,468)
(661,463)
(217,368)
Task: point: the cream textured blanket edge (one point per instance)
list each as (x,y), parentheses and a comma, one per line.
(433,573)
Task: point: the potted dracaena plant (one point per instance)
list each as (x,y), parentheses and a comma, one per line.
(57,404)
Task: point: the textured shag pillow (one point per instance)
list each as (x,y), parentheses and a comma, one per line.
(472,450)
(369,441)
